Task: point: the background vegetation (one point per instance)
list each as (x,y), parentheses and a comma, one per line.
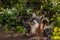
(14,12)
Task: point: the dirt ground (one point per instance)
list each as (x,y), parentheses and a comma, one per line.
(16,36)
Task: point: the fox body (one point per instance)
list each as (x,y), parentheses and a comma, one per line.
(36,26)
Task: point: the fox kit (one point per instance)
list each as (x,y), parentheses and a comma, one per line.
(36,25)
(33,26)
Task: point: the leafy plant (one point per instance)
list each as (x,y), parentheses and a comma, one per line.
(56,33)
(20,29)
(6,27)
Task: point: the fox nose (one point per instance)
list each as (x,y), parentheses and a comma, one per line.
(31,20)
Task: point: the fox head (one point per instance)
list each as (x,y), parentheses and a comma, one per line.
(33,20)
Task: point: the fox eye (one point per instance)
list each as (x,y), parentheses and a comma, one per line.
(34,22)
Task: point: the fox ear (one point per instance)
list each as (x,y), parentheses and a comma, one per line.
(34,15)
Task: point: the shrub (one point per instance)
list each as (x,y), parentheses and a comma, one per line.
(20,29)
(56,34)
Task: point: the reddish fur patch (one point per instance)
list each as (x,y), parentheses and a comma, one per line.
(40,28)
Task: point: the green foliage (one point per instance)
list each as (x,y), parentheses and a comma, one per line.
(11,18)
(14,11)
(8,18)
(47,6)
(58,18)
(1,18)
(56,33)
(9,15)
(6,27)
(20,29)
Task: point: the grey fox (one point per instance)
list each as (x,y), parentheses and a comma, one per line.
(36,25)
